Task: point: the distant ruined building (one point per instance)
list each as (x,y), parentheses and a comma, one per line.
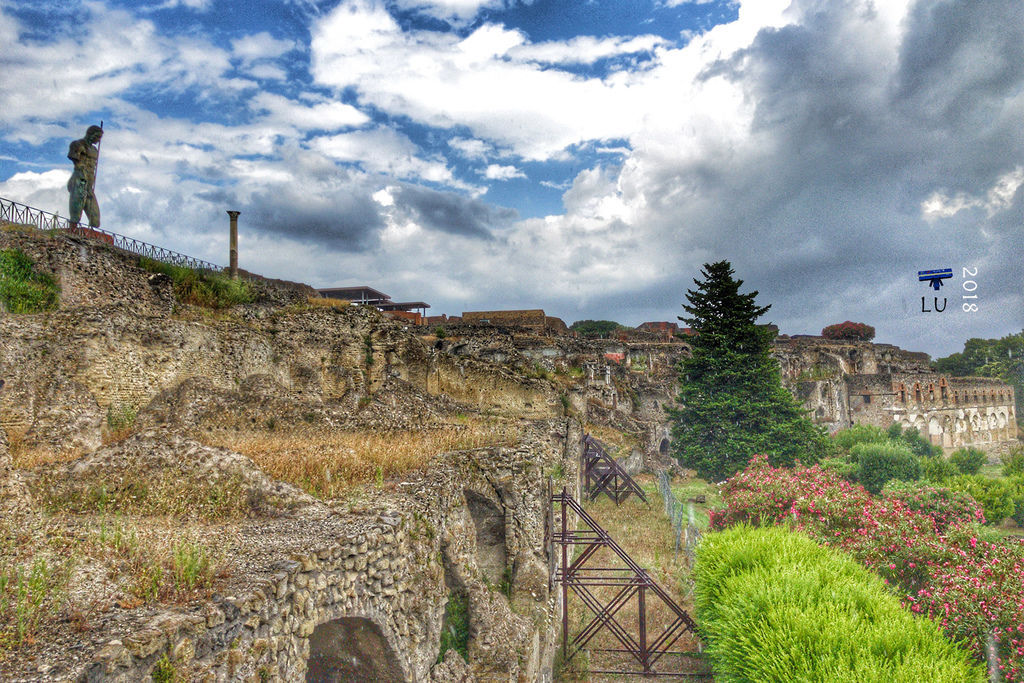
(843,383)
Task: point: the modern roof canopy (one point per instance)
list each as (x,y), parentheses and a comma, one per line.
(368,296)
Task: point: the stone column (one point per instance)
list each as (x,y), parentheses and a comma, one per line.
(233,266)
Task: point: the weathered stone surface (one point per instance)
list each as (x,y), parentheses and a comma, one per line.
(161,454)
(849,382)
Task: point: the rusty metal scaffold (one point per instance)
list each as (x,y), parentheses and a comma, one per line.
(19,213)
(602,474)
(629,580)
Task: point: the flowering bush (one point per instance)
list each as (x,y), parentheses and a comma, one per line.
(994,495)
(849,330)
(926,547)
(944,506)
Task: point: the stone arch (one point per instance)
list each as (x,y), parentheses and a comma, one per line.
(352,649)
(491,551)
(663,447)
(917,392)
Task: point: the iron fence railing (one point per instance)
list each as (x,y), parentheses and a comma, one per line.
(19,213)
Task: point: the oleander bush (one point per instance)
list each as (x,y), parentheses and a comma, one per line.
(775,606)
(994,495)
(945,506)
(932,552)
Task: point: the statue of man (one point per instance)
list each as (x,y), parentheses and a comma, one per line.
(85,154)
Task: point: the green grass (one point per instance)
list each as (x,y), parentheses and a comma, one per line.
(22,288)
(210,290)
(692,488)
(455,627)
(773,605)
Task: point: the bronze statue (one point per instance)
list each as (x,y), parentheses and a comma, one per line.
(85,154)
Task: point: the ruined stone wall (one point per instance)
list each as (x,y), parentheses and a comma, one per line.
(843,383)
(530,318)
(64,371)
(951,412)
(373,595)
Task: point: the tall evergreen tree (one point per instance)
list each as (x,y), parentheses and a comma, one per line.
(732,404)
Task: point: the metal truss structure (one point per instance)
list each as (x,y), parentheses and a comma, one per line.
(624,582)
(602,474)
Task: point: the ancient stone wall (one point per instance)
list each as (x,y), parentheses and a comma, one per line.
(374,592)
(843,383)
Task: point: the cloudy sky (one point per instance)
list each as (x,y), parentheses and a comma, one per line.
(583,156)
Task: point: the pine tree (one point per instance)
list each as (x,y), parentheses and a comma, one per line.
(732,404)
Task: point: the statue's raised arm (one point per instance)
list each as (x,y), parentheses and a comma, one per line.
(85,155)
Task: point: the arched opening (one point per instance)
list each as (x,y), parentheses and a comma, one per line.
(351,649)
(489,520)
(663,447)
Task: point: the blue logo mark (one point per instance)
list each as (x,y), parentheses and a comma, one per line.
(935,277)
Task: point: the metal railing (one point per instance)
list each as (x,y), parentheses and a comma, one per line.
(19,213)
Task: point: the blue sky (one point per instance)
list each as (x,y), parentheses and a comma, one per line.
(581,156)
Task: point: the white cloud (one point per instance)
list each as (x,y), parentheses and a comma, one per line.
(443,81)
(998,198)
(584,49)
(471,148)
(260,46)
(498,172)
(382,150)
(451,10)
(317,115)
(199,5)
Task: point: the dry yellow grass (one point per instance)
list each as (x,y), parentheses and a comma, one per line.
(327,302)
(26,457)
(327,465)
(622,442)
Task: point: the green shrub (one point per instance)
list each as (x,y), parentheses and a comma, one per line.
(841,466)
(1016,484)
(210,290)
(851,436)
(775,606)
(937,470)
(1013,462)
(919,445)
(22,289)
(895,431)
(878,462)
(968,460)
(996,496)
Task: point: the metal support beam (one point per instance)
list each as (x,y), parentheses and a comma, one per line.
(628,579)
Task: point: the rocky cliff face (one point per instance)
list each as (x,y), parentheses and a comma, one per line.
(300,575)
